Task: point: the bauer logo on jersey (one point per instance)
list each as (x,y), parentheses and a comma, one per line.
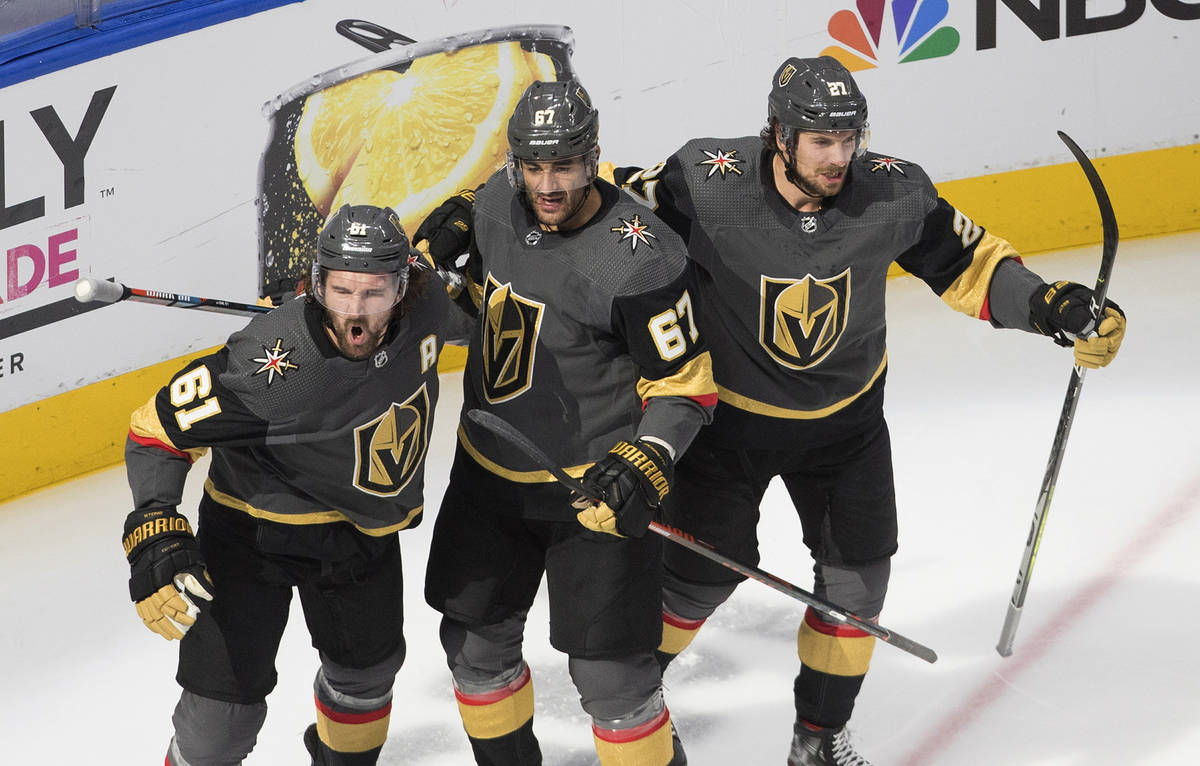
(389,449)
(720,160)
(801,320)
(636,232)
(274,361)
(510,333)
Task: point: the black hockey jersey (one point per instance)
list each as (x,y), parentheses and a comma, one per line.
(792,303)
(578,330)
(299,434)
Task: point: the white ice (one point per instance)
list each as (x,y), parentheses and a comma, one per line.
(1104,669)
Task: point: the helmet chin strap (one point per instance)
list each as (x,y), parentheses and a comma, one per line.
(587,191)
(793,176)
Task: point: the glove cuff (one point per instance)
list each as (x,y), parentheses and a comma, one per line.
(144,528)
(651,463)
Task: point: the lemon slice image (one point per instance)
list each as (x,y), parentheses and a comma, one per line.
(411,140)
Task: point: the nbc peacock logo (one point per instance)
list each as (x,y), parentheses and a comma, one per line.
(917,24)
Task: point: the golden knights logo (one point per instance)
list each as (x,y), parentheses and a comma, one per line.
(389,449)
(801,320)
(510,331)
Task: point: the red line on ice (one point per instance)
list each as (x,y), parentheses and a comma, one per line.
(1034,647)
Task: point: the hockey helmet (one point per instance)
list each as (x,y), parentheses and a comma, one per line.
(553,120)
(367,240)
(817,94)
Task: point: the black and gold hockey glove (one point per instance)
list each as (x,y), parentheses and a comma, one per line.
(629,483)
(167,570)
(1063,311)
(447,229)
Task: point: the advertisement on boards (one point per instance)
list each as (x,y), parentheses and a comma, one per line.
(210,176)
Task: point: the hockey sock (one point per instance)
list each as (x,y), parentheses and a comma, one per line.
(499,722)
(835,660)
(646,744)
(677,634)
(348,735)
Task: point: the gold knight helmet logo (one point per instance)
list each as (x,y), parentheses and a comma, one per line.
(390,448)
(510,331)
(801,320)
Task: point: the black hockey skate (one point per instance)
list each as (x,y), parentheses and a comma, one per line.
(824,747)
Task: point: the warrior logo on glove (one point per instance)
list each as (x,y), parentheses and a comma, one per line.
(630,483)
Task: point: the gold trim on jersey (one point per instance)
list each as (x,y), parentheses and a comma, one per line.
(475,292)
(144,422)
(522,477)
(969,292)
(692,379)
(734,399)
(302,519)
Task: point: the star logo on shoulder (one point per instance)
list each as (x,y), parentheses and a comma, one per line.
(722,161)
(635,231)
(888,164)
(275,362)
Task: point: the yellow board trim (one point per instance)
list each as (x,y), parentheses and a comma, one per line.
(1037,210)
(1050,208)
(74,433)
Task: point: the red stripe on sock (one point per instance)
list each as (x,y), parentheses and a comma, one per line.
(814,621)
(353,718)
(619,736)
(682,623)
(492,697)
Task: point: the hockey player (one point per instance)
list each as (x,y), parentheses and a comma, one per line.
(318,415)
(794,231)
(587,342)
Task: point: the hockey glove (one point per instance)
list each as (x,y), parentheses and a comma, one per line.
(167,571)
(448,229)
(628,485)
(1063,311)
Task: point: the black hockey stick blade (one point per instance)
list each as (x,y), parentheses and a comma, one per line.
(1012,617)
(507,431)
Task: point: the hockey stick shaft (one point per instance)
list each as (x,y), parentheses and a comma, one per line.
(1012,617)
(507,431)
(88,289)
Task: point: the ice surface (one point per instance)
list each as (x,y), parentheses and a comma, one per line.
(1105,667)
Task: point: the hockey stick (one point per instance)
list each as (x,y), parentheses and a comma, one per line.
(88,289)
(505,430)
(1033,542)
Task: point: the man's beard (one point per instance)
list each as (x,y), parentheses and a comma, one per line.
(356,337)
